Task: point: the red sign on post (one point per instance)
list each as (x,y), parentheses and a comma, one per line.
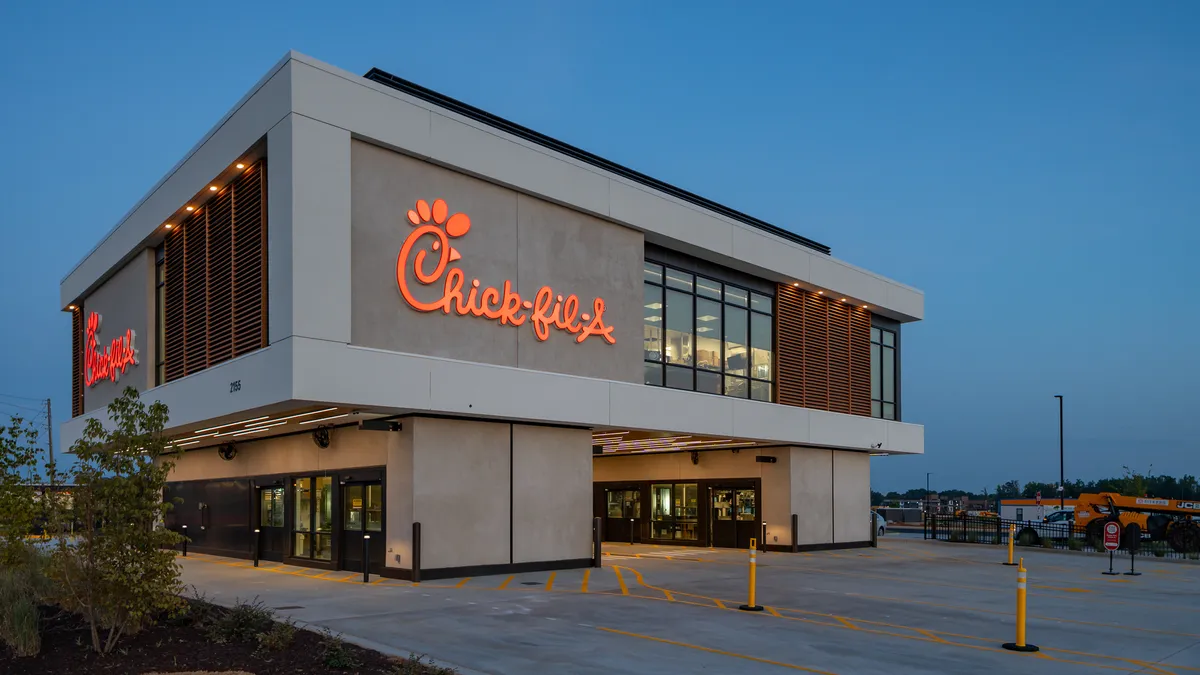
(1112,536)
(1038,498)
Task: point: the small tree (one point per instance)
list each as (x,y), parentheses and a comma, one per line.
(119,571)
(19,508)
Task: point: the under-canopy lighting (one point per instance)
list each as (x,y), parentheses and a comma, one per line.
(291,417)
(191,208)
(325,419)
(241,166)
(234,424)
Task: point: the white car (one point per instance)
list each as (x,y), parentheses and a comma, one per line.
(880,523)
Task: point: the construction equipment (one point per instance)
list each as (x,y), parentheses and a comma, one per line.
(1175,521)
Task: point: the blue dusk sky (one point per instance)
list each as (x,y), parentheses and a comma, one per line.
(1033,167)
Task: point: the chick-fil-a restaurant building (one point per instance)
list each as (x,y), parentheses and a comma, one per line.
(368,306)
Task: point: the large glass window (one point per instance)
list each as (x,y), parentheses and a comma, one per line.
(302,524)
(883,373)
(705,335)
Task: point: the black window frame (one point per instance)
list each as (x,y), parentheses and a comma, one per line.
(661,365)
(879,404)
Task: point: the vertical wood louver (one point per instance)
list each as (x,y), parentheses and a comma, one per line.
(216,278)
(77,362)
(824,353)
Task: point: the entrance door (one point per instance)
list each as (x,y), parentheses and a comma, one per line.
(622,515)
(734,516)
(272,537)
(362,514)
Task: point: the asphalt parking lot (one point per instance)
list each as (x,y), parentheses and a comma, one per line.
(909,606)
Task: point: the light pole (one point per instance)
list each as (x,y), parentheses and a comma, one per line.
(1062,488)
(927,505)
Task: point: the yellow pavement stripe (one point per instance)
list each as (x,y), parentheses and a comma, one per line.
(719,603)
(586,575)
(710,650)
(550,581)
(773,611)
(504,585)
(462,582)
(621,581)
(846,622)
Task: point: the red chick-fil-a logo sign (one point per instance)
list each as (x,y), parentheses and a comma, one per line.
(547,309)
(110,363)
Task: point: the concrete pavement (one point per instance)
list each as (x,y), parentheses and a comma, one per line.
(907,607)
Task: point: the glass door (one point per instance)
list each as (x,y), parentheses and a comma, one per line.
(272,536)
(622,515)
(362,514)
(724,526)
(312,523)
(747,517)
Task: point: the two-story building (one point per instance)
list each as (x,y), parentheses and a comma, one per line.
(369,306)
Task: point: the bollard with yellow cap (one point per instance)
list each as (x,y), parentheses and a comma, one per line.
(1012,535)
(750,606)
(1019,645)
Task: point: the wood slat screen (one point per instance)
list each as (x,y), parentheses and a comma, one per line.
(824,352)
(216,293)
(77,362)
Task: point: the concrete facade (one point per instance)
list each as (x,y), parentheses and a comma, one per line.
(126,302)
(494,453)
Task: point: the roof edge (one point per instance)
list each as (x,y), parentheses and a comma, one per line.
(469,111)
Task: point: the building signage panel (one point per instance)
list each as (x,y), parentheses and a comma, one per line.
(111,363)
(435,227)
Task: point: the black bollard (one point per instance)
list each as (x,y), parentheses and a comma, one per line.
(256,532)
(185,541)
(596,551)
(366,558)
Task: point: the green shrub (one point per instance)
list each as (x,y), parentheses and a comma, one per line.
(23,587)
(244,622)
(118,569)
(415,665)
(278,638)
(1047,543)
(1074,544)
(335,653)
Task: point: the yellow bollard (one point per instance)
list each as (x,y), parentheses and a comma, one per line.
(750,606)
(1019,645)
(1012,535)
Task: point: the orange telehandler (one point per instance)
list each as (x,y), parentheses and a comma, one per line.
(1175,521)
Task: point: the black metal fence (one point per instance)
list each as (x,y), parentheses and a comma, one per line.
(1068,536)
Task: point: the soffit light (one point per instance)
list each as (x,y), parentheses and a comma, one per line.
(234,424)
(191,208)
(325,419)
(212,188)
(240,165)
(168,226)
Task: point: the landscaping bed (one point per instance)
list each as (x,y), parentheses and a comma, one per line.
(206,638)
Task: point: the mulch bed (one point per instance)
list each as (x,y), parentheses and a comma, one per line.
(178,647)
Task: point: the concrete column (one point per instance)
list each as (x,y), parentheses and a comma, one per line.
(812,495)
(851,496)
(399,499)
(552,494)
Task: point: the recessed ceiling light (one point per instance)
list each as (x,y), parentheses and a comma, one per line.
(212,188)
(843,299)
(796,283)
(71,307)
(168,226)
(820,292)
(191,208)
(241,166)
(865,307)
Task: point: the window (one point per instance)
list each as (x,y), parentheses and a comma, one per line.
(705,335)
(883,373)
(270,512)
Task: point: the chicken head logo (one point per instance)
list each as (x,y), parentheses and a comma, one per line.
(547,310)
